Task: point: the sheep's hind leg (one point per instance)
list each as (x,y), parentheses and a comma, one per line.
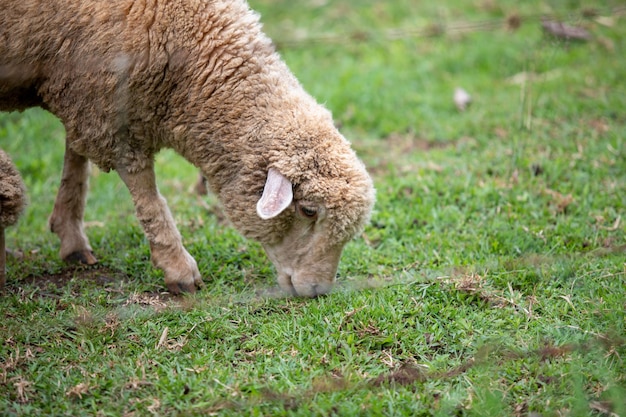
(67,216)
(168,253)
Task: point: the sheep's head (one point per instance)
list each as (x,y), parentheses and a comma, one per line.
(318,215)
(299,188)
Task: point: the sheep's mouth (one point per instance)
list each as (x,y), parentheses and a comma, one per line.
(303,287)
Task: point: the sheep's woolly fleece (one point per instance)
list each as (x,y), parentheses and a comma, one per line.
(129,77)
(197,76)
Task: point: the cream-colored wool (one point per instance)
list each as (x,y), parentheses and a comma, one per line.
(129,77)
(12,202)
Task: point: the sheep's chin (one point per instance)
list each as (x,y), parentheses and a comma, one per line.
(302,287)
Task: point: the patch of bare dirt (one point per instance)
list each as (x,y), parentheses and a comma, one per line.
(406,374)
(48,283)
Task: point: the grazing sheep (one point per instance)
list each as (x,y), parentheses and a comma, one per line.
(12,202)
(129,77)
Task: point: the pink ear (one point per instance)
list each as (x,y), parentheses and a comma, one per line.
(277,195)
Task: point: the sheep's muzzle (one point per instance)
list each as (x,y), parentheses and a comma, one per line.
(304,287)
(308,275)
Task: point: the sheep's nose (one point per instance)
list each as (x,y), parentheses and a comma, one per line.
(303,287)
(321,289)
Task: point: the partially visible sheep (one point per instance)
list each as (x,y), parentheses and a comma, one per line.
(12,202)
(129,77)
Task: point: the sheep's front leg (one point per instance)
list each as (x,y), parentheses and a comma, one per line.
(66,219)
(168,253)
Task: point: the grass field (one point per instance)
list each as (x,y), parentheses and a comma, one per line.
(490,282)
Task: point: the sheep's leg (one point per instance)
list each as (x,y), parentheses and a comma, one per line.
(168,253)
(67,217)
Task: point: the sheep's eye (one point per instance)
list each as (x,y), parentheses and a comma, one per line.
(309,212)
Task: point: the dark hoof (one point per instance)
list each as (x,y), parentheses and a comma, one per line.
(180,288)
(84,257)
(177,288)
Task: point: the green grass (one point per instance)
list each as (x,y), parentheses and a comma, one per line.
(491,280)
